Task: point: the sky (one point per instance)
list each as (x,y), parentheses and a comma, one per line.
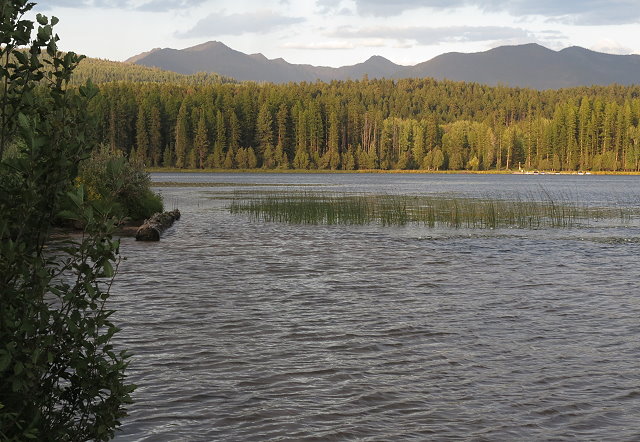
(343,32)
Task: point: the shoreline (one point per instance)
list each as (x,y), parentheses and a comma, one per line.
(397,171)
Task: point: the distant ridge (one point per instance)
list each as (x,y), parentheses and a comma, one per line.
(106,71)
(135,58)
(529,65)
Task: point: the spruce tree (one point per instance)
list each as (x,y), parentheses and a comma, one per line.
(155,135)
(201,141)
(182,140)
(142,136)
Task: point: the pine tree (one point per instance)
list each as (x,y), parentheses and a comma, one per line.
(235,132)
(418,142)
(282,121)
(349,160)
(584,117)
(241,159)
(229,160)
(283,148)
(142,136)
(217,157)
(252,159)
(155,135)
(301,159)
(265,136)
(182,143)
(332,155)
(201,141)
(167,156)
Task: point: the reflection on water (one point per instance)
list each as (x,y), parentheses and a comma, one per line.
(245,330)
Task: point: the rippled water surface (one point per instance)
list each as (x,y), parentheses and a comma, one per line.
(244,330)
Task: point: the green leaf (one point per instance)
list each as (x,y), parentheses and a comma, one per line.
(23,121)
(77,197)
(43,35)
(21,57)
(35,356)
(5,359)
(51,50)
(108,269)
(69,215)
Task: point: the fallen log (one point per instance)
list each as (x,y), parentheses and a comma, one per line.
(153,227)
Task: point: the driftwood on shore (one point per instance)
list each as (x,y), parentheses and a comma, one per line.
(152,228)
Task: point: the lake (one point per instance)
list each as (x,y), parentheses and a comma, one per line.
(245,330)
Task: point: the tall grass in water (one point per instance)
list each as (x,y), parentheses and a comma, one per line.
(431,211)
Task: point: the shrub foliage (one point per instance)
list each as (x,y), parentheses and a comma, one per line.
(60,376)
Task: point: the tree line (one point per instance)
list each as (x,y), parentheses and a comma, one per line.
(105,71)
(372,124)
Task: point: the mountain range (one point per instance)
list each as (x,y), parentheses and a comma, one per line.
(529,65)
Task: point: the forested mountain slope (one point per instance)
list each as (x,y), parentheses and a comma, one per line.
(103,71)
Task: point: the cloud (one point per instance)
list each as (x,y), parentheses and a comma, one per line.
(148,5)
(434,36)
(579,12)
(550,34)
(328,5)
(609,46)
(259,22)
(76,4)
(168,5)
(335,7)
(336,45)
(386,8)
(320,46)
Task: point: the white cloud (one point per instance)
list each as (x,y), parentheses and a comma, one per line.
(259,22)
(352,44)
(320,46)
(434,36)
(139,5)
(580,12)
(610,46)
(168,5)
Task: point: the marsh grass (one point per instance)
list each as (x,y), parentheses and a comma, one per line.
(532,211)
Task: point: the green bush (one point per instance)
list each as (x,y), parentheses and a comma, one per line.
(108,176)
(61,379)
(144,205)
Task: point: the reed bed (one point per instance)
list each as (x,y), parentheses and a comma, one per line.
(532,212)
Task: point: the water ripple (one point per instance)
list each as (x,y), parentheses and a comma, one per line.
(247,331)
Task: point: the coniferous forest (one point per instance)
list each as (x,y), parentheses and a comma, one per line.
(206,121)
(103,71)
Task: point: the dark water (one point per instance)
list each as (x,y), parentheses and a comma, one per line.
(246,331)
